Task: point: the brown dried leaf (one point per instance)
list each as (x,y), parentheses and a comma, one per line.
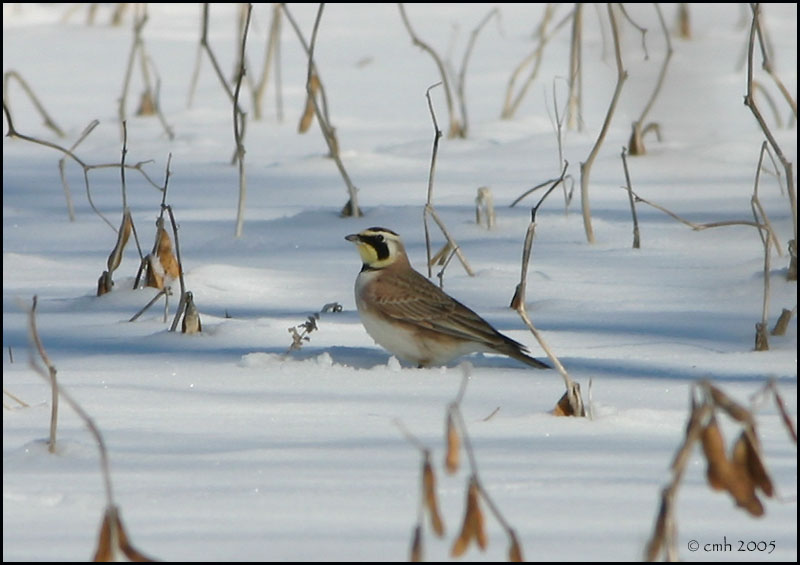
(469,525)
(115,258)
(147,106)
(165,254)
(564,406)
(104,283)
(746,456)
(452,457)
(733,408)
(475,515)
(743,490)
(429,488)
(718,471)
(308,113)
(191,317)
(155,273)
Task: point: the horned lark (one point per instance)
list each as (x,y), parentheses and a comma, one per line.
(413,318)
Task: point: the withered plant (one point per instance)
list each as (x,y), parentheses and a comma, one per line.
(739,469)
(450,247)
(149,103)
(760,222)
(315,92)
(512,101)
(641,127)
(473,523)
(14,134)
(571,403)
(756,31)
(301,332)
(112,543)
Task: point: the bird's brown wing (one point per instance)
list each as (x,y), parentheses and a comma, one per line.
(411,298)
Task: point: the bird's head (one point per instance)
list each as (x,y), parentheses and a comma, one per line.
(378,247)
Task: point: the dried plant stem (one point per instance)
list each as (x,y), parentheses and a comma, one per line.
(49,374)
(13,133)
(48,121)
(749,101)
(320,110)
(640,127)
(455,129)
(574,120)
(239,118)
(429,209)
(636,239)
(137,48)
(272,55)
(586,166)
(511,103)
(462,78)
(62,168)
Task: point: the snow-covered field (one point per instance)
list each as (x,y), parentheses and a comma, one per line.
(224,447)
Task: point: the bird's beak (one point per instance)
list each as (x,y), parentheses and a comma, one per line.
(353,237)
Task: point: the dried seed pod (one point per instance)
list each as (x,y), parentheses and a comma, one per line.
(746,456)
(452,457)
(416,545)
(718,470)
(429,488)
(515,549)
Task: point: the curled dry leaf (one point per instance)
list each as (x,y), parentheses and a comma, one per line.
(718,469)
(733,408)
(747,457)
(155,272)
(724,474)
(473,526)
(165,254)
(147,106)
(191,317)
(451,460)
(124,233)
(308,113)
(104,283)
(429,488)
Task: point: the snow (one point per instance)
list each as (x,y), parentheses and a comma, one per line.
(223,447)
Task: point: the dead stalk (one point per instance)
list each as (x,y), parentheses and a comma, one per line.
(456,128)
(429,209)
(239,117)
(640,127)
(351,208)
(586,166)
(48,121)
(755,29)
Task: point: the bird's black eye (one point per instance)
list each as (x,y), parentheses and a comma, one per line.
(379,237)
